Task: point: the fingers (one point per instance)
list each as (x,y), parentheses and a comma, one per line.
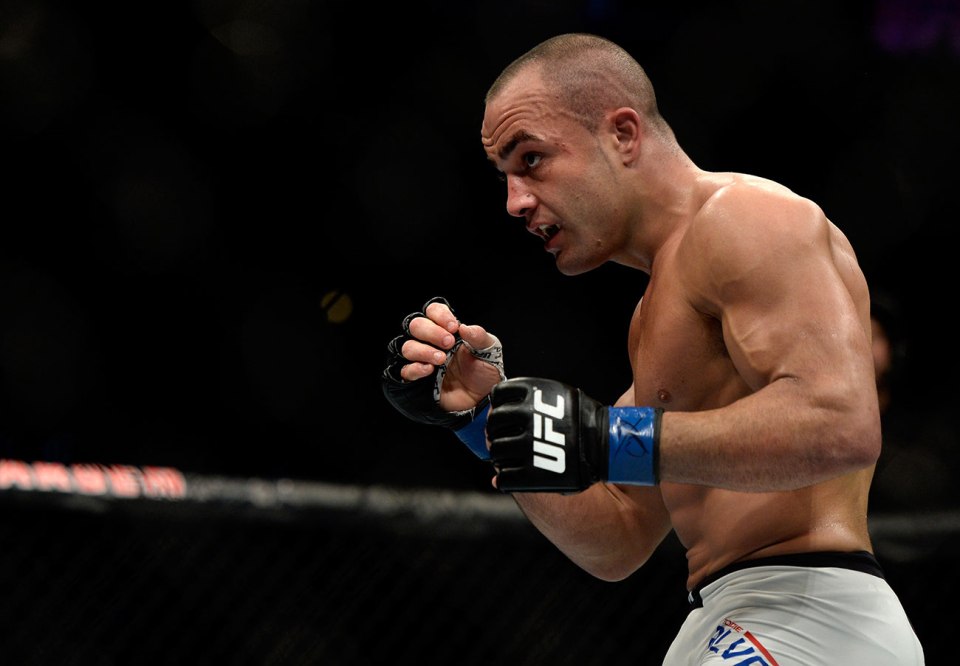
(476,336)
(411,372)
(440,313)
(416,351)
(430,332)
(435,326)
(426,340)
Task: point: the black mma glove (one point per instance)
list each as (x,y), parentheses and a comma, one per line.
(420,400)
(546,436)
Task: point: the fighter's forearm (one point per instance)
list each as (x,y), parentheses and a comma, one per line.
(602,530)
(775,439)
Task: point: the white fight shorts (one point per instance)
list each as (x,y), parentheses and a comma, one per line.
(808,609)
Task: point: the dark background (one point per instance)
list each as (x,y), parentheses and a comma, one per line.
(188,185)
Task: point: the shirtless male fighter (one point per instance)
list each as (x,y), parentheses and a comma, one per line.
(752,426)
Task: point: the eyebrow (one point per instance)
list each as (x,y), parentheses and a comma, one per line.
(514,141)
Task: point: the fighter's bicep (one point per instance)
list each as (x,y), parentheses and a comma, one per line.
(792,316)
(765,268)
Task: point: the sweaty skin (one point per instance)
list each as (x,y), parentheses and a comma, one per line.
(753,334)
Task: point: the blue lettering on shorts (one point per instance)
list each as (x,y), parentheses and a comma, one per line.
(738,646)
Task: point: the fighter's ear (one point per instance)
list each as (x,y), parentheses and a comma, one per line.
(626,128)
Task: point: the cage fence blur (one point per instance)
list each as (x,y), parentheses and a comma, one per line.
(216,570)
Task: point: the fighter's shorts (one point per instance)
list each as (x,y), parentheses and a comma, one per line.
(810,609)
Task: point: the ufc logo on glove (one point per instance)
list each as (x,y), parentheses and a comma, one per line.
(546,436)
(548,445)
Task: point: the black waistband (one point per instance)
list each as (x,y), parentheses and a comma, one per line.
(859,560)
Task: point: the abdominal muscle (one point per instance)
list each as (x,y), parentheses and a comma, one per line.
(718,527)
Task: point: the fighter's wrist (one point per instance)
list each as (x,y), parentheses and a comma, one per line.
(633,445)
(474,433)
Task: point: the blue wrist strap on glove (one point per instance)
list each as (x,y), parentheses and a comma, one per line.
(634,438)
(474,434)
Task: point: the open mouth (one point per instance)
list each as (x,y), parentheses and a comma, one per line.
(548,231)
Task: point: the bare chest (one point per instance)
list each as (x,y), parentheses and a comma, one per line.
(678,354)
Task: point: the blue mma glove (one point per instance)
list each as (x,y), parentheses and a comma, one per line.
(546,436)
(420,400)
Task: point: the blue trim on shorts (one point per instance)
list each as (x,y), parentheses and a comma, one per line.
(859,560)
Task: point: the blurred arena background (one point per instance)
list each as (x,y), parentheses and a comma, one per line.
(215,215)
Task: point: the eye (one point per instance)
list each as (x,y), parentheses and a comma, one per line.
(528,162)
(531,160)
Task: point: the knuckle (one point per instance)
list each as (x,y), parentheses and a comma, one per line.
(420,327)
(435,311)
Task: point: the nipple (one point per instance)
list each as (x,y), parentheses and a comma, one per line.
(663,395)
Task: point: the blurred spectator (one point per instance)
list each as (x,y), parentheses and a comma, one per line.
(919,459)
(888,345)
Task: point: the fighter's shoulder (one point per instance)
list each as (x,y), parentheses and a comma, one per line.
(743,230)
(749,206)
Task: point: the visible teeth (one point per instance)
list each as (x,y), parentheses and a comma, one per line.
(547,230)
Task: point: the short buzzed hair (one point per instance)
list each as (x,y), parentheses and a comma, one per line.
(591,74)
